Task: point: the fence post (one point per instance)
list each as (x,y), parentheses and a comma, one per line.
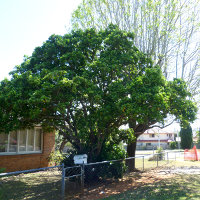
(167,158)
(175,155)
(82,177)
(157,159)
(143,162)
(63,182)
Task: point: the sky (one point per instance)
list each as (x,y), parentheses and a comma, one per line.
(26,24)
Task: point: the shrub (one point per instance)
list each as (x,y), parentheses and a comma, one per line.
(159,155)
(69,158)
(103,170)
(2,170)
(173,145)
(113,152)
(113,169)
(56,157)
(160,152)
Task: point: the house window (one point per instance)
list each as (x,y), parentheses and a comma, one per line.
(148,144)
(12,142)
(21,142)
(152,135)
(169,135)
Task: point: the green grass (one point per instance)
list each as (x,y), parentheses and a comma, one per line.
(39,185)
(182,187)
(179,163)
(47,185)
(149,164)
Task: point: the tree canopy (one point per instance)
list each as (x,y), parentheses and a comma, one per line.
(86,84)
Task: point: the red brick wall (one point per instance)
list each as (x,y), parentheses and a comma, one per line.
(29,161)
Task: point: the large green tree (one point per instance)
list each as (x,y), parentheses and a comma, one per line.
(87,84)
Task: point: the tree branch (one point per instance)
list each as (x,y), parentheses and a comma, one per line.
(161,127)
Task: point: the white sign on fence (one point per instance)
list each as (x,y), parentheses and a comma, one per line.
(80,159)
(178,139)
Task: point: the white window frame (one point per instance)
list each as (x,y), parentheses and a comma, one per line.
(18,139)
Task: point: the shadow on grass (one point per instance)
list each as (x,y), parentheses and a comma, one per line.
(18,189)
(182,187)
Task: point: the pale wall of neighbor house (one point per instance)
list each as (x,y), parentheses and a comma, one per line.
(153,140)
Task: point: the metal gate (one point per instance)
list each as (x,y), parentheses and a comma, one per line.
(72,180)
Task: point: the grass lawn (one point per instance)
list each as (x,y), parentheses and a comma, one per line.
(40,185)
(179,163)
(180,187)
(176,187)
(149,164)
(147,185)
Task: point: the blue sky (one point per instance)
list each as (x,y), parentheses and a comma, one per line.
(26,24)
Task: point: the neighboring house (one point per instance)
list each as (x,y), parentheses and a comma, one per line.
(26,149)
(195,138)
(152,140)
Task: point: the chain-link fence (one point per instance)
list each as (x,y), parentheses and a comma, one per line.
(76,182)
(103,172)
(43,183)
(175,155)
(96,177)
(72,181)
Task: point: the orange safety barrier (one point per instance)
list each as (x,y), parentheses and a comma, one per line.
(192,154)
(198,154)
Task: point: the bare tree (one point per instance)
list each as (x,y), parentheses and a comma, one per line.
(166,30)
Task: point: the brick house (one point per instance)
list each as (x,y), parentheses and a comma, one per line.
(26,149)
(152,140)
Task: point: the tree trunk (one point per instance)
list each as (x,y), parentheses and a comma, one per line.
(62,145)
(131,148)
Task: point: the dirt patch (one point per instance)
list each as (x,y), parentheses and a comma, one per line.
(133,180)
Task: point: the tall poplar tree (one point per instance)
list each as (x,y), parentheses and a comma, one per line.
(167,31)
(186,137)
